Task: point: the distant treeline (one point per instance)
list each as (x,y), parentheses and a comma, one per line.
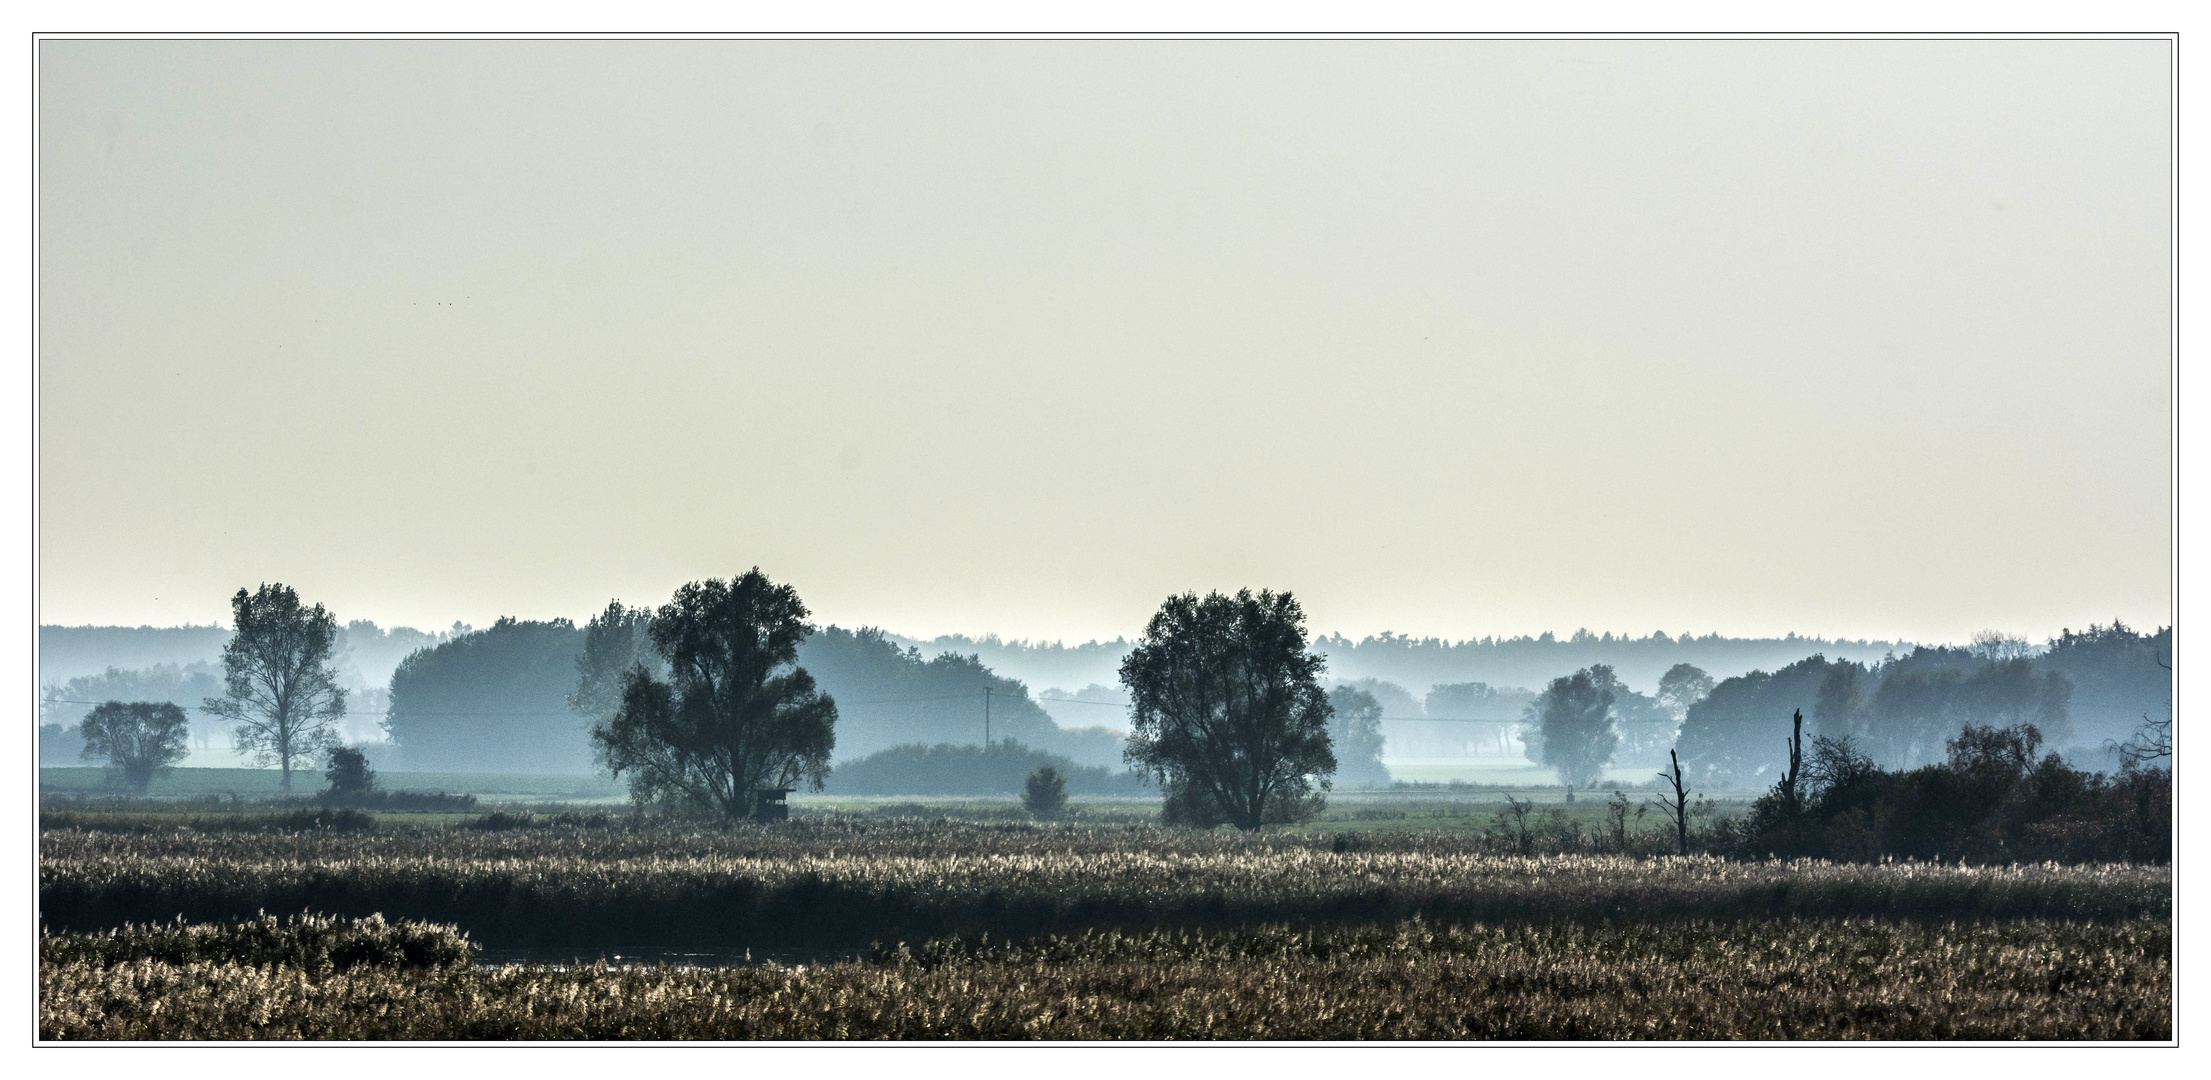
(2089,688)
(1534,661)
(1419,663)
(496,701)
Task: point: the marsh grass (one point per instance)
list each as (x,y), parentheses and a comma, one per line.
(847,882)
(315,944)
(1689,979)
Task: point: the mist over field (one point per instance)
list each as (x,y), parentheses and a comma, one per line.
(1565,538)
(504,708)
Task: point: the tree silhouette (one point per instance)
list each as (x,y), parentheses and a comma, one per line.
(279,685)
(735,715)
(1228,710)
(1575,717)
(138,739)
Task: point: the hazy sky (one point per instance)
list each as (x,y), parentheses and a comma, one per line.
(1456,338)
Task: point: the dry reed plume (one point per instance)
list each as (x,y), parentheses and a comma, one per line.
(1786,979)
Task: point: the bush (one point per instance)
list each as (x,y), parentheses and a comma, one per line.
(349,773)
(1045,793)
(1993,801)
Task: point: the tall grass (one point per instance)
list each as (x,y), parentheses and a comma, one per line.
(315,944)
(1691,979)
(851,882)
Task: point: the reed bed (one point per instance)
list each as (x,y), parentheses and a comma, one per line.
(315,944)
(1686,979)
(851,882)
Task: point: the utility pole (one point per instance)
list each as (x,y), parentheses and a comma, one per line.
(986,718)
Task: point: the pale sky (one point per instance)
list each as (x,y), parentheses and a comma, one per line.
(1849,338)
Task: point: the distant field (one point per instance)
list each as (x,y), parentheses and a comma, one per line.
(1515,772)
(264,782)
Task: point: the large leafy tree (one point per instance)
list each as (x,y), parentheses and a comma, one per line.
(279,685)
(614,641)
(137,739)
(735,713)
(1682,686)
(1355,735)
(1228,712)
(1575,717)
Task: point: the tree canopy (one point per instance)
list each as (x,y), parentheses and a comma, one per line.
(735,713)
(1574,716)
(1228,711)
(492,700)
(1355,732)
(279,686)
(138,739)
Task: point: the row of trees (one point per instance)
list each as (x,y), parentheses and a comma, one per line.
(1901,713)
(1996,796)
(279,689)
(1228,713)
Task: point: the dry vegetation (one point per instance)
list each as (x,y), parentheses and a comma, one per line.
(1780,979)
(1092,932)
(850,883)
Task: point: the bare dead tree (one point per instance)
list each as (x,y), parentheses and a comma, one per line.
(1790,798)
(1678,806)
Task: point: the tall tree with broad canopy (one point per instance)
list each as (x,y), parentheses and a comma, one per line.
(138,740)
(1228,711)
(279,685)
(1355,736)
(1575,716)
(614,641)
(1682,686)
(735,713)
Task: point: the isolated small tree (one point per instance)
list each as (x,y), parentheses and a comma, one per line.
(1045,792)
(1575,717)
(349,774)
(139,740)
(1227,710)
(735,715)
(279,685)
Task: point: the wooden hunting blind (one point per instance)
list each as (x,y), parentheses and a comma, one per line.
(768,804)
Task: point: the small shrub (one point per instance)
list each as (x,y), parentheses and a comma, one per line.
(1045,792)
(349,774)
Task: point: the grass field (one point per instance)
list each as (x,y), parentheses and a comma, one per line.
(263,783)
